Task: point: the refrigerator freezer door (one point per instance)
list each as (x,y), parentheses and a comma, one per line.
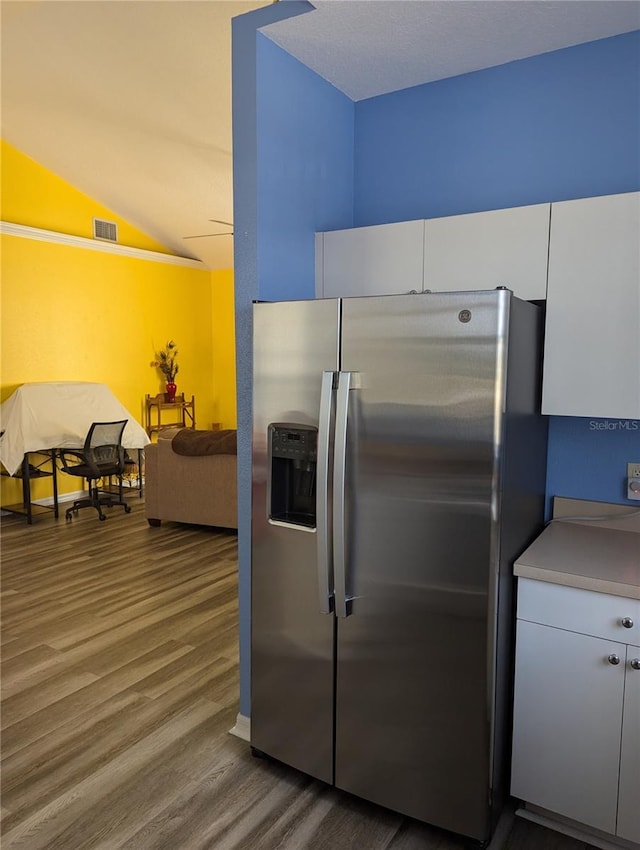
(413,695)
(292,678)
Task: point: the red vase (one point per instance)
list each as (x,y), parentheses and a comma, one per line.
(171,392)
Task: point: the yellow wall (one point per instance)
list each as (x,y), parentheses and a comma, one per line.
(224,362)
(35,197)
(75,314)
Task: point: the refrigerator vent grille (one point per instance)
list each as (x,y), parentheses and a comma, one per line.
(105,230)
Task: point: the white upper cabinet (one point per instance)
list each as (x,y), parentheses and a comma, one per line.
(583,256)
(463,252)
(592,344)
(384,259)
(483,250)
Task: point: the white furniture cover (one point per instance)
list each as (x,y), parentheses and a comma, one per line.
(58,414)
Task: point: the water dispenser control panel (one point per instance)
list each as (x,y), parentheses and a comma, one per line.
(294,442)
(292,485)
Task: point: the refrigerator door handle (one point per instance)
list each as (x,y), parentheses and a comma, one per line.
(342,604)
(325,571)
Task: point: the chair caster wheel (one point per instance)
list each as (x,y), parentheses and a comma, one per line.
(102,518)
(67,516)
(127,509)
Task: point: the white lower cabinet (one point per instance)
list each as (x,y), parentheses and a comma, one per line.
(629,790)
(568,715)
(576,738)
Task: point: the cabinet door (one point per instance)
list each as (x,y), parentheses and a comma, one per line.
(629,791)
(592,343)
(567,721)
(385,259)
(488,249)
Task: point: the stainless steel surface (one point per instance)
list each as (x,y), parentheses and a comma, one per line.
(519,498)
(429,410)
(292,642)
(627,622)
(613,658)
(343,604)
(422,449)
(325,564)
(635,663)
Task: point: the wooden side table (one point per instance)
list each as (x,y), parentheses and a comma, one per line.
(183,411)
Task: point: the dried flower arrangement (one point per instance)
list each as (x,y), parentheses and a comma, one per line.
(166,361)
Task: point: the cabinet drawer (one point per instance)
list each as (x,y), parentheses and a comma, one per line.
(576,610)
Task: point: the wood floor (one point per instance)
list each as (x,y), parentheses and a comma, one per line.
(119,686)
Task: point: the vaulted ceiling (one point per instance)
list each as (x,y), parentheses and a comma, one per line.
(130,101)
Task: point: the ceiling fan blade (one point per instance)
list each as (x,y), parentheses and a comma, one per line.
(207,235)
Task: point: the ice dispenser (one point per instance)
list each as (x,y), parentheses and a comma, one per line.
(293,452)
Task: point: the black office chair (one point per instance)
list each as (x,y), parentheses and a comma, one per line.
(102,457)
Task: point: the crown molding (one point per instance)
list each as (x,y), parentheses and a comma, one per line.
(10,229)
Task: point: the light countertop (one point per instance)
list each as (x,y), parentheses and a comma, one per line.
(606,560)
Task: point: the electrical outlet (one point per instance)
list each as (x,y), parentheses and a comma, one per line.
(633,481)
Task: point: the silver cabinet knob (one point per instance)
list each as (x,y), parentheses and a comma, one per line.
(613,658)
(627,622)
(635,663)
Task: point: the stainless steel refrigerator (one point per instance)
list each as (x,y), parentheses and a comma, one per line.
(398,470)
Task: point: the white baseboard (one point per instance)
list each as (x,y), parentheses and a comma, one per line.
(47,501)
(242,729)
(573,829)
(62,497)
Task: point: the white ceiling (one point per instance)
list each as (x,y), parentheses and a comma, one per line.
(130,101)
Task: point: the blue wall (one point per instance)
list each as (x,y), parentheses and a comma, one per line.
(557,126)
(305,170)
(293,174)
(588,458)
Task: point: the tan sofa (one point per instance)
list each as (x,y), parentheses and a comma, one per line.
(200,490)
